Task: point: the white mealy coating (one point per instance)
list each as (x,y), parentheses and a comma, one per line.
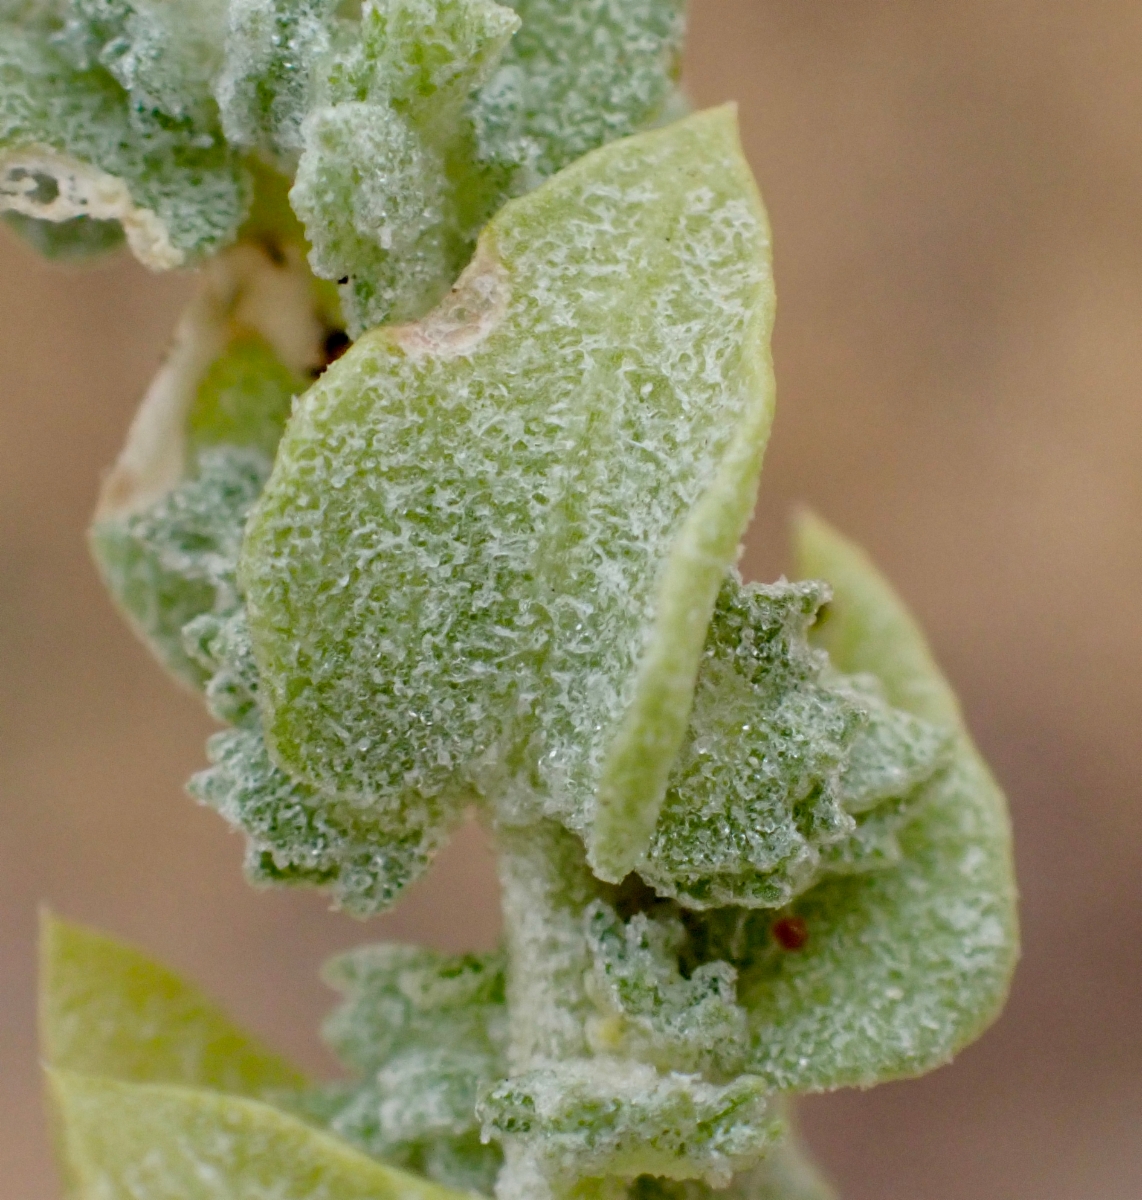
(577,75)
(164,53)
(153,505)
(71,144)
(446,143)
(478,627)
(503,529)
(176,558)
(593,1118)
(648,1010)
(270,75)
(422,1032)
(373,197)
(591,1004)
(297,835)
(902,967)
(546,888)
(781,752)
(382,182)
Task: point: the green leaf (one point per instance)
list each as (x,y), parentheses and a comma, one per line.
(375,205)
(298,835)
(126,1141)
(374,184)
(648,1010)
(244,398)
(540,484)
(789,771)
(785,1173)
(164,54)
(172,511)
(425,1032)
(423,57)
(71,145)
(398,997)
(868,629)
(176,558)
(274,52)
(902,967)
(593,1118)
(427,119)
(578,74)
(107,1009)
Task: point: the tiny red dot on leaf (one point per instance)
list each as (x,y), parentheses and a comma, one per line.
(790,933)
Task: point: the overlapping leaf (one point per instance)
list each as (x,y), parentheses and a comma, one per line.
(789,771)
(902,967)
(486,558)
(172,512)
(594,1118)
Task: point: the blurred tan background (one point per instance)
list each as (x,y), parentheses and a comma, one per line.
(956,192)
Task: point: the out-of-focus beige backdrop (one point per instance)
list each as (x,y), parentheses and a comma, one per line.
(956,194)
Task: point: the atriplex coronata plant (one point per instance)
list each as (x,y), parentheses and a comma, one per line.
(437,500)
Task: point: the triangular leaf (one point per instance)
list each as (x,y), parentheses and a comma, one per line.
(131,1141)
(107,1009)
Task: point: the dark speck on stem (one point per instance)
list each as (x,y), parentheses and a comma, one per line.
(791,932)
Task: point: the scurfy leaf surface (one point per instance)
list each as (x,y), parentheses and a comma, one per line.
(299,836)
(781,752)
(373,182)
(493,565)
(576,75)
(428,118)
(425,1033)
(648,1010)
(905,966)
(72,146)
(172,511)
(177,558)
(525,618)
(785,1173)
(593,1118)
(164,55)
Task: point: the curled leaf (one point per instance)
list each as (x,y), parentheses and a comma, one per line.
(172,510)
(425,1032)
(594,1118)
(901,967)
(163,54)
(789,770)
(576,76)
(648,1010)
